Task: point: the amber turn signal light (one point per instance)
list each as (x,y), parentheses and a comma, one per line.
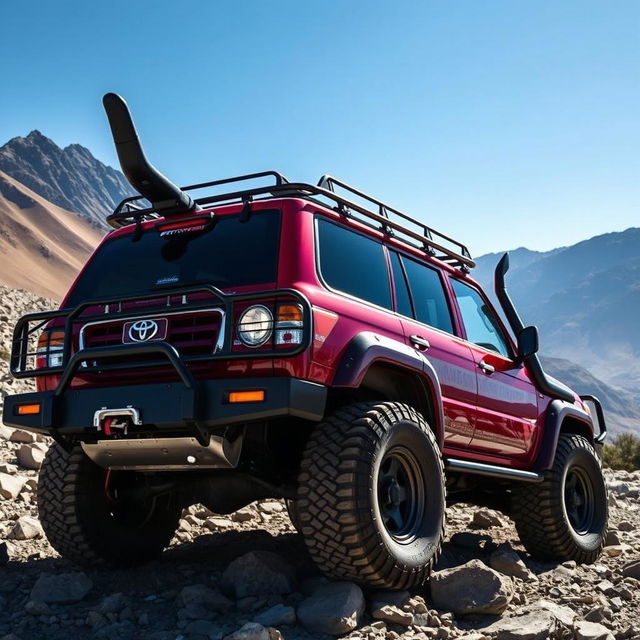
(246,396)
(28,409)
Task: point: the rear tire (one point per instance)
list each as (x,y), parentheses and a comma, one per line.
(565,517)
(371,496)
(91,518)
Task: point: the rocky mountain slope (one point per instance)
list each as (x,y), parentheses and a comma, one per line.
(585,300)
(70,178)
(42,246)
(622,408)
(248,577)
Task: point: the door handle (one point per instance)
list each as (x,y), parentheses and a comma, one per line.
(420,343)
(487,368)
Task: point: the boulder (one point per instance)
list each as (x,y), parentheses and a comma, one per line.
(471,588)
(536,625)
(394,615)
(199,595)
(259,573)
(25,437)
(11,486)
(30,456)
(250,631)
(333,609)
(276,616)
(5,432)
(486,518)
(61,588)
(591,631)
(26,528)
(509,562)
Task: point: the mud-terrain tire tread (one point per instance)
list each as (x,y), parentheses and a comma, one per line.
(339,532)
(62,481)
(538,512)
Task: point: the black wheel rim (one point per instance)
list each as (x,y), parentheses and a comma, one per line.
(401,494)
(579,500)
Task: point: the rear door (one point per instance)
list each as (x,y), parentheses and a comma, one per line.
(507,400)
(428,327)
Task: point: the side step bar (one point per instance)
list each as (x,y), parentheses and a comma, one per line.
(493,471)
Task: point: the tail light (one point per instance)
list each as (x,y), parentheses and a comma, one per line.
(50,349)
(289,324)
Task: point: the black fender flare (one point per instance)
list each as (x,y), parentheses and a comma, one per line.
(557,412)
(368,348)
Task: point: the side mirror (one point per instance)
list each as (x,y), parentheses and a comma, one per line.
(528,343)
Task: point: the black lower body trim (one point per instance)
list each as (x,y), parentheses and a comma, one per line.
(169,406)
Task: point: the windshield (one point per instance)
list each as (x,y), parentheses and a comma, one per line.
(229,253)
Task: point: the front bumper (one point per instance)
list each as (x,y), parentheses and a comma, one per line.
(168,406)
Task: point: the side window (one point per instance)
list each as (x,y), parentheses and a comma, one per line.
(479,320)
(429,298)
(403,302)
(353,263)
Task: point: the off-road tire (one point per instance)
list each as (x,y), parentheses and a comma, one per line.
(81,523)
(292,512)
(343,511)
(545,514)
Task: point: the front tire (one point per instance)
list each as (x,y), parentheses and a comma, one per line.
(565,517)
(371,496)
(94,518)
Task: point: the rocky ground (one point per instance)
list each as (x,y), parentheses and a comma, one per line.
(248,576)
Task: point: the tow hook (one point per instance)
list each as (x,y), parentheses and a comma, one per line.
(107,420)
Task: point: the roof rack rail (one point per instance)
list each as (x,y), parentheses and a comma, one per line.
(390,220)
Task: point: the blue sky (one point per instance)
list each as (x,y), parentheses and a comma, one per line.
(502,123)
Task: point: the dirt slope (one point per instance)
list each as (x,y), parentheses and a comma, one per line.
(42,246)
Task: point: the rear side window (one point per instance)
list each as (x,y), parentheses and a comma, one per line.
(352,263)
(429,297)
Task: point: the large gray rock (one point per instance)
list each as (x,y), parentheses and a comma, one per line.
(11,486)
(30,456)
(591,631)
(63,588)
(250,631)
(509,562)
(199,595)
(471,588)
(26,528)
(276,616)
(333,609)
(486,519)
(23,436)
(536,625)
(259,573)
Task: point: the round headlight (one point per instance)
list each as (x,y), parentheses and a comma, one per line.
(255,326)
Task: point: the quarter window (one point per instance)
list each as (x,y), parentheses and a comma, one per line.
(479,320)
(429,298)
(353,263)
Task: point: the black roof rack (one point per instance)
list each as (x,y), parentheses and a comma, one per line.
(390,220)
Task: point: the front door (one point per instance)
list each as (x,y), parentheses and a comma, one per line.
(506,419)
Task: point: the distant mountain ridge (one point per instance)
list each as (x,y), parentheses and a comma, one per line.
(70,178)
(585,299)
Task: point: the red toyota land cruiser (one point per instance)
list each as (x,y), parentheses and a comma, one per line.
(296,341)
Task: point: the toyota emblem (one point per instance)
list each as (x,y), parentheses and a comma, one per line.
(143,330)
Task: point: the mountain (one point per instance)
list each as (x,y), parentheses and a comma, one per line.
(42,246)
(585,299)
(622,408)
(70,178)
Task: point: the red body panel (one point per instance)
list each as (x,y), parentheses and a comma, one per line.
(488,417)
